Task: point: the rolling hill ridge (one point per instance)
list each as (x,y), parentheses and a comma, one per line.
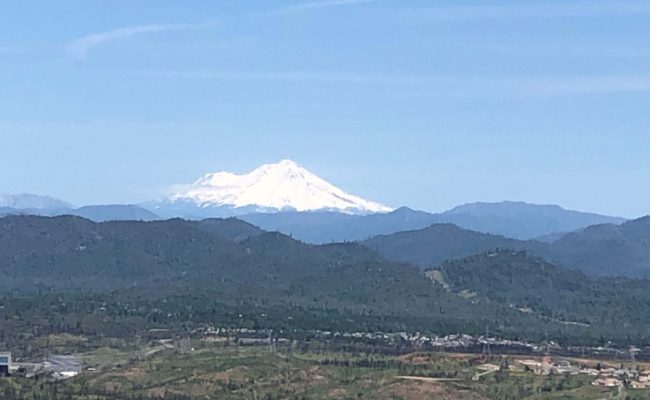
(196,271)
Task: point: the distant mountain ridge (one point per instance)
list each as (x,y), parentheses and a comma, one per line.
(515,220)
(29,204)
(521,220)
(115,212)
(601,250)
(26,201)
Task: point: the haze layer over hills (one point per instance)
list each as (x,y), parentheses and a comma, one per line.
(404,270)
(288,198)
(29,204)
(510,219)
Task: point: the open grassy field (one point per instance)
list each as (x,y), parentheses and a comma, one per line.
(209,370)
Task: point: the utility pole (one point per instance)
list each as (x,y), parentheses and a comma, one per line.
(633,351)
(271,344)
(487,351)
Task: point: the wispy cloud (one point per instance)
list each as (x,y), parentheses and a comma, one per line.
(565,9)
(313,5)
(443,85)
(80,47)
(585,84)
(292,76)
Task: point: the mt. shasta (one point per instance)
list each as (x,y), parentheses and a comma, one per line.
(283,186)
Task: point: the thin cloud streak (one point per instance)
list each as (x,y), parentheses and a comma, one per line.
(567,9)
(589,85)
(291,76)
(80,47)
(320,4)
(456,85)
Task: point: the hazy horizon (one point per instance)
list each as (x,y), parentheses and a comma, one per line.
(163,193)
(403,103)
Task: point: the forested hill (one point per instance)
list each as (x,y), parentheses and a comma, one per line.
(183,273)
(607,249)
(441,242)
(74,254)
(193,273)
(537,287)
(599,250)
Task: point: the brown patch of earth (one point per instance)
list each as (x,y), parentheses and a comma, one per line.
(337,393)
(237,374)
(415,390)
(132,373)
(425,389)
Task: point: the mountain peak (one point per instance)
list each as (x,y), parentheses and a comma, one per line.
(501,206)
(287,163)
(284,185)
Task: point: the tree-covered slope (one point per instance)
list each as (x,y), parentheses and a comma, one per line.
(74,254)
(196,275)
(438,243)
(536,287)
(600,250)
(71,274)
(609,250)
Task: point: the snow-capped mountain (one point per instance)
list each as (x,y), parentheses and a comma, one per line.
(271,187)
(32,202)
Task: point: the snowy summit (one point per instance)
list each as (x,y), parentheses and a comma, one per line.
(273,187)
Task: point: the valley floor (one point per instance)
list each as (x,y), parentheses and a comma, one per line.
(210,369)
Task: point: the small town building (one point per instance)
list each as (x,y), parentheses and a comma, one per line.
(607,382)
(640,384)
(5,364)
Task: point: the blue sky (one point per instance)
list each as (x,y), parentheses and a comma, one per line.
(422,103)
